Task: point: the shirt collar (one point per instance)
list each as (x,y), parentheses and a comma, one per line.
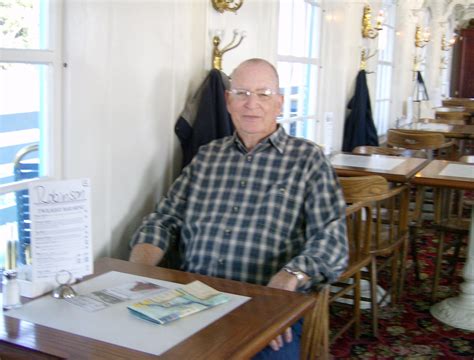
(277,139)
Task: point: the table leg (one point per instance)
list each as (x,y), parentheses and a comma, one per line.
(459,311)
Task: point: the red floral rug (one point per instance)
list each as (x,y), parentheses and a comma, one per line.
(408,330)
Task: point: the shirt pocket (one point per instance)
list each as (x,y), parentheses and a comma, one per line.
(280,208)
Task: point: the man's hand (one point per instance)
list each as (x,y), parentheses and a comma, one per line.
(285,281)
(146,254)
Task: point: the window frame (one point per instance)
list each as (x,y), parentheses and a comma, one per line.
(51,129)
(311,122)
(383,81)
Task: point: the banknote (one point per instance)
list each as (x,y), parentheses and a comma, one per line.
(177,303)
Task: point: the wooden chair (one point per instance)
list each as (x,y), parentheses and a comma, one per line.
(432,145)
(458,225)
(389,238)
(316,331)
(442,120)
(380,150)
(460,116)
(467,103)
(424,141)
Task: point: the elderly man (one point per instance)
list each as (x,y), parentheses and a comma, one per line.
(259,206)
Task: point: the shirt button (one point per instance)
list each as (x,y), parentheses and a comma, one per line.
(243,183)
(221,261)
(249,158)
(227,231)
(235,208)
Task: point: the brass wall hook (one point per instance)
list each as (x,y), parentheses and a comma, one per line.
(417,62)
(218,53)
(364,57)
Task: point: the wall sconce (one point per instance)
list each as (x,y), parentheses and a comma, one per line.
(421,38)
(367,30)
(447,45)
(227,5)
(218,53)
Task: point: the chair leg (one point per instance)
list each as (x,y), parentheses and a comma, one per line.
(457,250)
(315,340)
(357,295)
(439,261)
(403,260)
(414,251)
(394,269)
(373,295)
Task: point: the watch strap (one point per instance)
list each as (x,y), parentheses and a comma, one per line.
(300,276)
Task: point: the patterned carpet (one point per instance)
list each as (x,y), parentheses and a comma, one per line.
(408,330)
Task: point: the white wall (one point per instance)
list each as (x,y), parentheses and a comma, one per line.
(131,65)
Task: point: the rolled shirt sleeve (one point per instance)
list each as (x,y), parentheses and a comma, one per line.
(325,253)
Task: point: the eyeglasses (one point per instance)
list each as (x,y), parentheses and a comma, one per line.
(242,95)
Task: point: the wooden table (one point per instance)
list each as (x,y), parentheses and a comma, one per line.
(450,131)
(458,311)
(450,109)
(467,103)
(356,165)
(238,335)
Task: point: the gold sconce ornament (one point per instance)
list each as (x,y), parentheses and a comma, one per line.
(218,53)
(421,37)
(367,30)
(227,5)
(447,45)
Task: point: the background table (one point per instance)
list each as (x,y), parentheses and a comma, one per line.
(240,334)
(345,165)
(450,131)
(458,311)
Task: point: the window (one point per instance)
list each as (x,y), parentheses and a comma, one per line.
(384,71)
(30,78)
(298,65)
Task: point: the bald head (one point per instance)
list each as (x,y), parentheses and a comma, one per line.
(257,62)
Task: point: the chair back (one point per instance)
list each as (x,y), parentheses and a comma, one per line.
(378,150)
(389,205)
(363,188)
(25,169)
(455,116)
(415,140)
(447,120)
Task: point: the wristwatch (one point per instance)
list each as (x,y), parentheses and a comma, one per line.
(300,276)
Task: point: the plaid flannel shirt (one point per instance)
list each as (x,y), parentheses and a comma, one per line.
(244,215)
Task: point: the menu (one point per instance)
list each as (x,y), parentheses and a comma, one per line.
(60,228)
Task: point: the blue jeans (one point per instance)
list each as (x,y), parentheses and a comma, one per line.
(289,351)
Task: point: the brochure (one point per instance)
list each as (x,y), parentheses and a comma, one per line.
(174,304)
(99,300)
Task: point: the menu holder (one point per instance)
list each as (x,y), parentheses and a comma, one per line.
(60,234)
